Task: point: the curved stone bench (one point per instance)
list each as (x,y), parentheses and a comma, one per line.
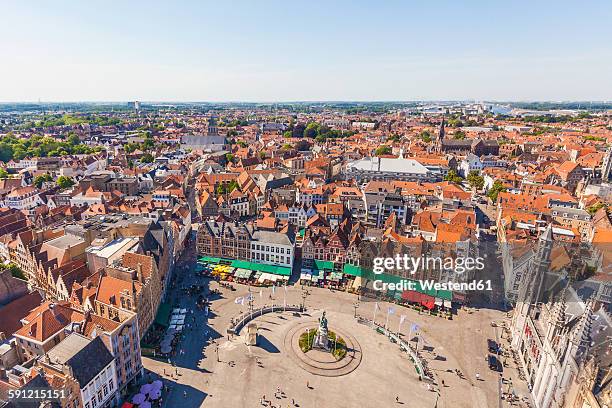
(235,329)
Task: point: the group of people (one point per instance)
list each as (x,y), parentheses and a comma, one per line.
(279,395)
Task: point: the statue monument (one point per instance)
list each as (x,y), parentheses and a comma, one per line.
(321,340)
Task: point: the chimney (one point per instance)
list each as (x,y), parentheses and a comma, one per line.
(66,369)
(139,272)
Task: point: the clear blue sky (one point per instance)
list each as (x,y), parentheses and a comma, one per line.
(305,50)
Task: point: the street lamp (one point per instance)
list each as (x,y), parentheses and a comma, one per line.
(355,306)
(305,294)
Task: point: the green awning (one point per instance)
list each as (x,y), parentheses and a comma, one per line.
(352,270)
(241,264)
(301,232)
(254,266)
(323,265)
(163,314)
(210,259)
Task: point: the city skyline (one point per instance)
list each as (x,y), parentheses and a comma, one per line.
(311,52)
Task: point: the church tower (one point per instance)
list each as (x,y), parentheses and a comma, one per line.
(440,136)
(531,288)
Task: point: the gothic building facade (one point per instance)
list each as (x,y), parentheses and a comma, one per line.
(559,337)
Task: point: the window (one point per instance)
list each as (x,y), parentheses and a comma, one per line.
(100,396)
(105,388)
(110,384)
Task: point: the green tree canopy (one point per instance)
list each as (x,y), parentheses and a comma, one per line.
(64,182)
(459,135)
(453,177)
(494,191)
(147,158)
(475,180)
(39,180)
(383,150)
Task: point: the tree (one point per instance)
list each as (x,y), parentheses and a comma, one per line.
(262,155)
(220,189)
(39,180)
(298,130)
(453,177)
(312,130)
(494,191)
(3,174)
(383,150)
(147,158)
(130,147)
(459,135)
(16,272)
(229,157)
(475,180)
(73,140)
(425,136)
(64,182)
(594,208)
(148,143)
(232,186)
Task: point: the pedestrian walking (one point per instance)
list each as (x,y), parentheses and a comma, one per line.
(478,376)
(397,399)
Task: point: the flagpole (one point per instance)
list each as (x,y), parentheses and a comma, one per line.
(374,318)
(410,334)
(387,321)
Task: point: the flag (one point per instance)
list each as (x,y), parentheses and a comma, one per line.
(376,307)
(391,310)
(239,300)
(402,318)
(414,327)
(261,293)
(273,289)
(250,297)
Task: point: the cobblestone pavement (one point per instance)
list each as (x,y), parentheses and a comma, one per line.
(217,371)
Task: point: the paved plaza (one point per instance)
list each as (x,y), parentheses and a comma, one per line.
(211,369)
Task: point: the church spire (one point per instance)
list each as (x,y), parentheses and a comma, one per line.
(581,339)
(441,131)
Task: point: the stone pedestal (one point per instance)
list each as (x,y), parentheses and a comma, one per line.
(321,340)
